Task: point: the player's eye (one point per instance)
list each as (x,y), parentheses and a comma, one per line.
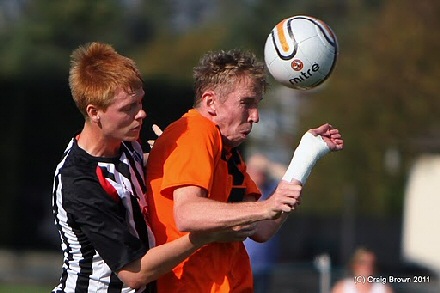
(129,107)
(249,103)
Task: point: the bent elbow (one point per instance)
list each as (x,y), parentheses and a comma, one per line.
(261,237)
(183,224)
(136,282)
(184,221)
(133,276)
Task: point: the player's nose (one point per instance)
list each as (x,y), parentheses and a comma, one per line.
(141,114)
(254,115)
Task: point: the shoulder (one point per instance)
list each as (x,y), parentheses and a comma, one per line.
(198,124)
(76,174)
(75,164)
(192,128)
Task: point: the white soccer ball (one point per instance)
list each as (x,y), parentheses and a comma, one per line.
(301,52)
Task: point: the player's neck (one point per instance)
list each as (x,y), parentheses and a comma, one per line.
(92,140)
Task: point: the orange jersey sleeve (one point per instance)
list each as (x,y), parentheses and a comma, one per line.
(185,154)
(192,161)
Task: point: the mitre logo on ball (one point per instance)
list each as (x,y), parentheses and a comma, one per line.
(301,52)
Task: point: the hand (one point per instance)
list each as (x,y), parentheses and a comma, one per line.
(330,135)
(157,131)
(236,233)
(286,197)
(227,234)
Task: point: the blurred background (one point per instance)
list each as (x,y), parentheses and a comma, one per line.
(381,192)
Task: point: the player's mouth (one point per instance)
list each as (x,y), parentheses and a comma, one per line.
(247,132)
(137,128)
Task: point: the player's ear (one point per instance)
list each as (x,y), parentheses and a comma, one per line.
(92,113)
(208,100)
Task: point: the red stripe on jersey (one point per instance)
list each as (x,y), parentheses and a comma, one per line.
(106,185)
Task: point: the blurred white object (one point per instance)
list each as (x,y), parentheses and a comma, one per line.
(322,263)
(421,237)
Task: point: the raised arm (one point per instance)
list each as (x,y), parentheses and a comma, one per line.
(314,144)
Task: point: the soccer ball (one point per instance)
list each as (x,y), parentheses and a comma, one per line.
(301,52)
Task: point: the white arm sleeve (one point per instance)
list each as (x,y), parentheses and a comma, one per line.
(311,148)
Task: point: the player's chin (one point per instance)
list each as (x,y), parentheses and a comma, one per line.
(132,136)
(239,141)
(244,135)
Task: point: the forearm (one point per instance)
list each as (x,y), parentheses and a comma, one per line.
(163,258)
(309,151)
(206,215)
(193,211)
(160,260)
(266,229)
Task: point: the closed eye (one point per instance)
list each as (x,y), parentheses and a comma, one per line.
(250,102)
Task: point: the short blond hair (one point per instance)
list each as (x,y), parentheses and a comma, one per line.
(96,72)
(222,70)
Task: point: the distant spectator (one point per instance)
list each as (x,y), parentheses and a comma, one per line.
(362,278)
(263,256)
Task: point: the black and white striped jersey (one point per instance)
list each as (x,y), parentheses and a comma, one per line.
(96,205)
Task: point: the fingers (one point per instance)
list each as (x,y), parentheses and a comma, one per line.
(248,228)
(336,138)
(325,130)
(321,130)
(331,136)
(339,144)
(157,130)
(245,231)
(333,132)
(285,198)
(236,233)
(291,188)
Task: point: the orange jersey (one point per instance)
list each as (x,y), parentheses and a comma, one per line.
(190,152)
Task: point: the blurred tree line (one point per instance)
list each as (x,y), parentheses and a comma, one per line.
(383,94)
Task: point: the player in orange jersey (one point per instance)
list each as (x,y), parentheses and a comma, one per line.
(197,180)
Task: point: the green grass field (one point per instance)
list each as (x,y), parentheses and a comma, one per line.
(12,288)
